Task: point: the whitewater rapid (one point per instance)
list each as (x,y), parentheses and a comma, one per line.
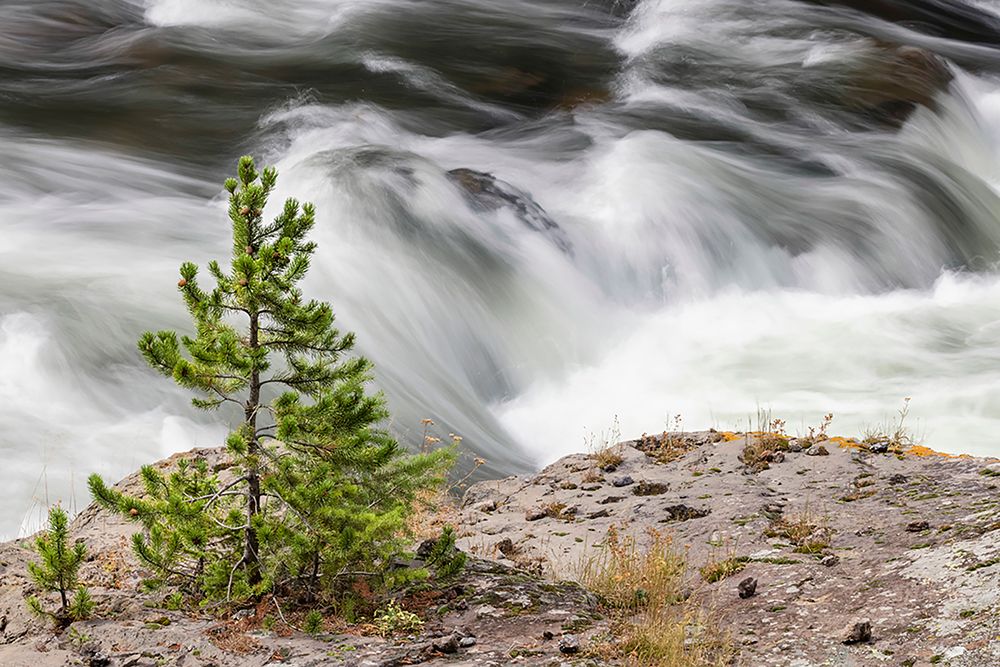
(736,242)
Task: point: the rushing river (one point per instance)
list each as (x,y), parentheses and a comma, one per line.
(746,206)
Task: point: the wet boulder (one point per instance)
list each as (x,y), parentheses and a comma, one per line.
(892,81)
(485,192)
(953,19)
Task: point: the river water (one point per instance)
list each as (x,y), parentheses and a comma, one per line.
(744,220)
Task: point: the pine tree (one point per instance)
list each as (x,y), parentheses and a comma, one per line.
(318,492)
(58,569)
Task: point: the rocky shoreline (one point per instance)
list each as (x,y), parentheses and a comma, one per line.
(825,552)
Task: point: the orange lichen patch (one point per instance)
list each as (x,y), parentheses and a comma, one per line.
(920,450)
(846,443)
(729,436)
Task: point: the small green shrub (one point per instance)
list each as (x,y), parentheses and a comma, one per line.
(58,572)
(393,619)
(313,623)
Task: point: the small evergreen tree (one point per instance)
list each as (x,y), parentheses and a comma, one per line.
(57,571)
(318,492)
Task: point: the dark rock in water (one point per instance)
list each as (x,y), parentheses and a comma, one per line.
(817,450)
(954,19)
(747,588)
(569,645)
(488,193)
(859,633)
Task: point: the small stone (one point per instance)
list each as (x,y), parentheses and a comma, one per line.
(897,479)
(794,447)
(611,467)
(93,656)
(609,500)
(466,642)
(747,588)
(535,514)
(917,526)
(599,514)
(447,645)
(878,447)
(569,645)
(547,635)
(772,511)
(829,560)
(622,481)
(506,547)
(817,450)
(487,507)
(777,457)
(858,633)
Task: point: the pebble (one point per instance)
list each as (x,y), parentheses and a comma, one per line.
(747,588)
(817,450)
(535,514)
(858,633)
(569,645)
(622,481)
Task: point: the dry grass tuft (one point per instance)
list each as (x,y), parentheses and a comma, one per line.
(895,434)
(717,570)
(669,445)
(655,625)
(606,450)
(627,577)
(805,530)
(764,444)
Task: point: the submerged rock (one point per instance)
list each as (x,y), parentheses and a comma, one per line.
(488,193)
(954,19)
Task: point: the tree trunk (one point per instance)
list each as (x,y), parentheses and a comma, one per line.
(251,545)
